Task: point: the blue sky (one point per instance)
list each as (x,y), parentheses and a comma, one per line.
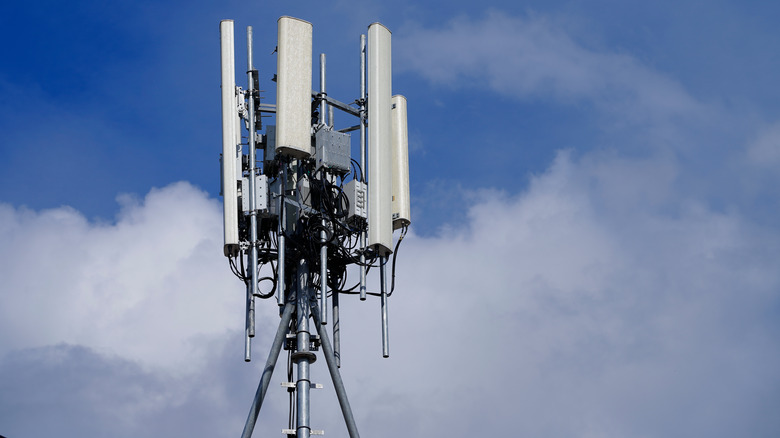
(137,75)
(595,240)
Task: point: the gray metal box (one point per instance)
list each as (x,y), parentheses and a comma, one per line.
(332,150)
(261,194)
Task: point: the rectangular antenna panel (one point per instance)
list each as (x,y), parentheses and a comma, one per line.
(293,88)
(400,144)
(379,69)
(230,132)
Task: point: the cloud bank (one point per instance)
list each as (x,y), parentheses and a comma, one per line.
(138,279)
(565,310)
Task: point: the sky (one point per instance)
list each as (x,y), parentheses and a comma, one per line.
(595,248)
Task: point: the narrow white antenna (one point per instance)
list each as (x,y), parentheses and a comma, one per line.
(230,151)
(380,215)
(400,143)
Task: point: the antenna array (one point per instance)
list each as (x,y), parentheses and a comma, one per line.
(297,219)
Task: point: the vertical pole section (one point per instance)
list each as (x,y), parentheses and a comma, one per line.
(335,376)
(302,356)
(362,158)
(280,262)
(323,233)
(324,275)
(252,289)
(268,371)
(385,327)
(323,105)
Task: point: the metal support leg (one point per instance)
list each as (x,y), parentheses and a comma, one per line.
(336,329)
(335,376)
(268,371)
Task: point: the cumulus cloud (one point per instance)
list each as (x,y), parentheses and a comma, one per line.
(530,57)
(564,310)
(76,391)
(153,274)
(562,315)
(636,109)
(122,328)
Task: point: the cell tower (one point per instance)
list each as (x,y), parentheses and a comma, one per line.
(302,216)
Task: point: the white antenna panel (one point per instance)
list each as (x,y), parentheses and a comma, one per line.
(380,185)
(230,127)
(293,88)
(400,144)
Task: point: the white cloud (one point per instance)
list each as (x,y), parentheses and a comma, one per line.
(561,315)
(531,57)
(713,150)
(157,273)
(765,150)
(566,310)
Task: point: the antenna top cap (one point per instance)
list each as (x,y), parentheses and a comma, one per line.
(376,23)
(293,18)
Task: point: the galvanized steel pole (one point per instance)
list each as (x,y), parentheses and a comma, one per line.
(323,104)
(252,289)
(363,158)
(323,233)
(281,228)
(302,356)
